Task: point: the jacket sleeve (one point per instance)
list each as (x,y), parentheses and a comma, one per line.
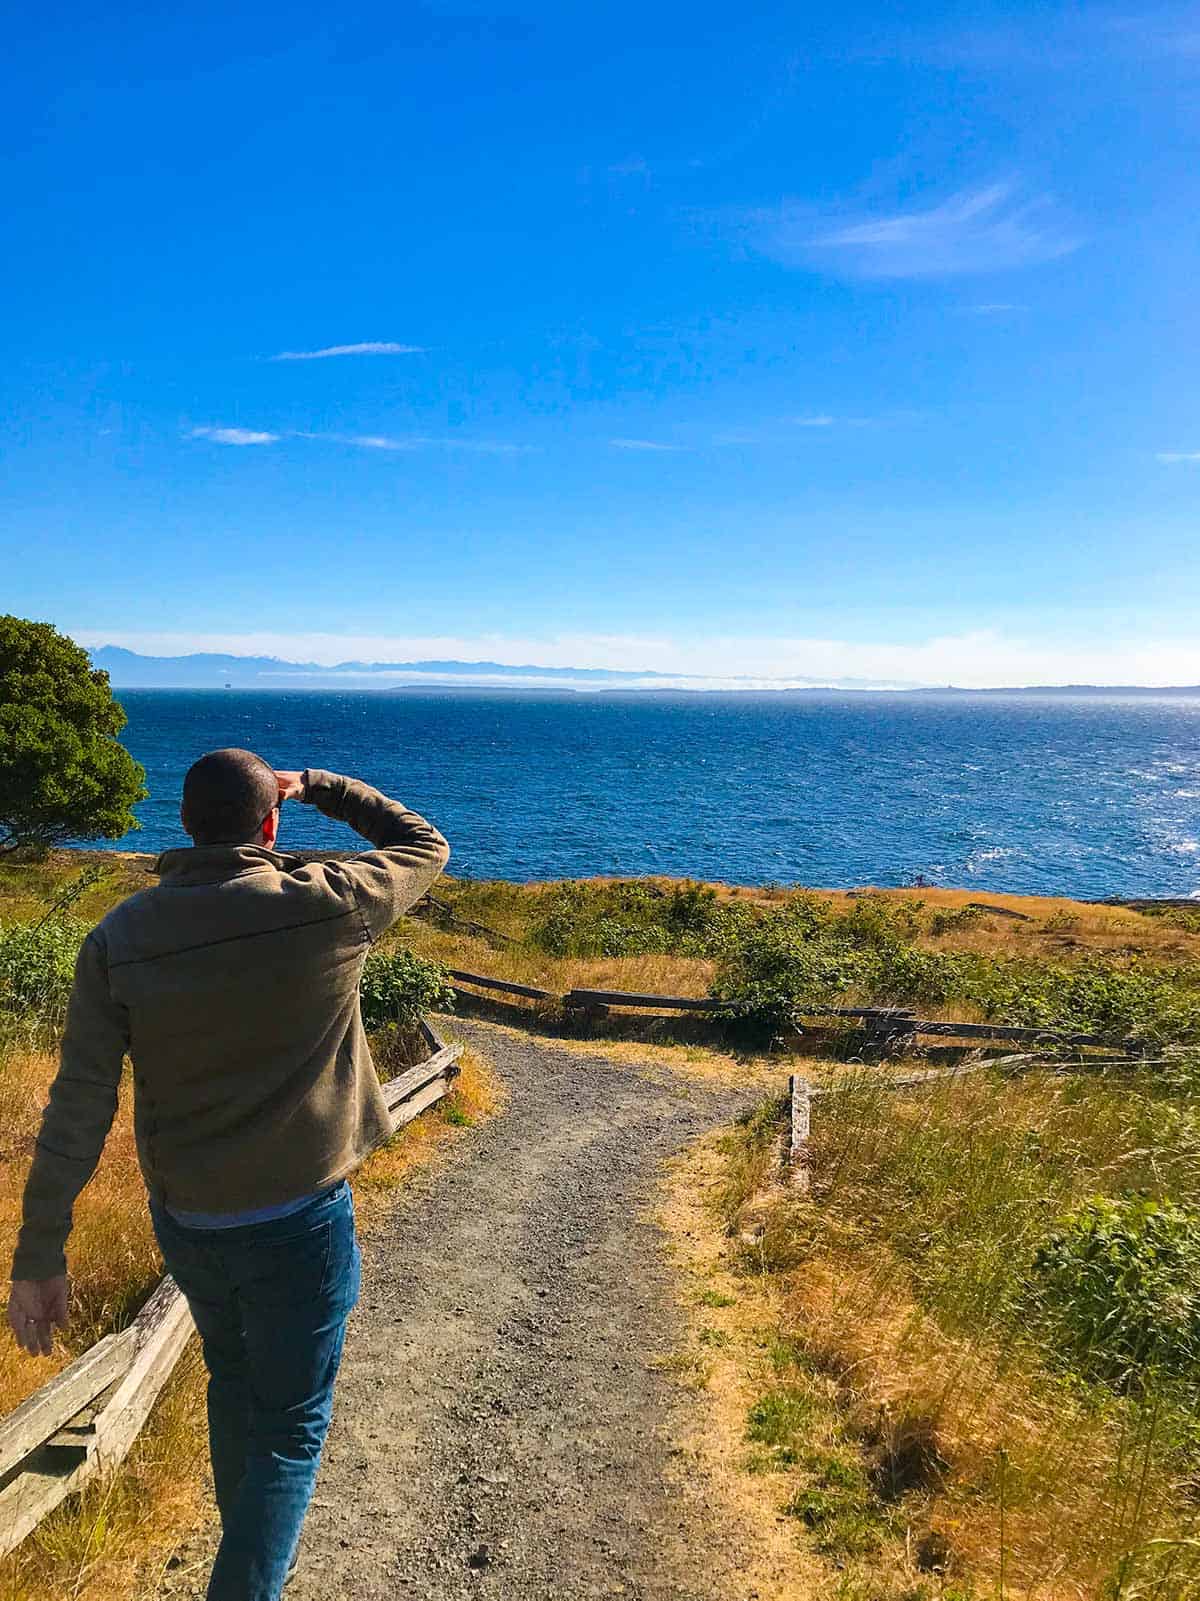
(409,854)
(77,1118)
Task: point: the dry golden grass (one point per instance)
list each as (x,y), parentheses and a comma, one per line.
(961,1419)
(933,1456)
(106,1543)
(113,1258)
(27,887)
(654,975)
(91,1546)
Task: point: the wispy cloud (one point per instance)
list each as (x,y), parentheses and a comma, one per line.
(483,447)
(373,347)
(995,308)
(234,436)
(821,420)
(642,444)
(403,442)
(975,230)
(1178,455)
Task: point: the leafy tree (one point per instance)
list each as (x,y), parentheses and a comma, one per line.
(63,774)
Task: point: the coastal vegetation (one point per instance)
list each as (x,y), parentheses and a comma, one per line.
(770,954)
(968,1353)
(975,1371)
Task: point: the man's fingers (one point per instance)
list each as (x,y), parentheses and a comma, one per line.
(33,1335)
(35,1309)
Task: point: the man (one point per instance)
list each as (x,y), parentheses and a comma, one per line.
(233,986)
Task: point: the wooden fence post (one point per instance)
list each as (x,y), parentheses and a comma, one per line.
(800,1103)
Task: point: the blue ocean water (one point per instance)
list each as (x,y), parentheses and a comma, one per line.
(1086,796)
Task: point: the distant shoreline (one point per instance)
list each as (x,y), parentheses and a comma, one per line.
(210,670)
(641,692)
(146,860)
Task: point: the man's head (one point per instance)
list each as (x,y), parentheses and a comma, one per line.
(231,797)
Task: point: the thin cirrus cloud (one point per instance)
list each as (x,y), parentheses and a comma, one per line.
(990,229)
(643,444)
(483,447)
(411,442)
(235,436)
(372,347)
(1171,456)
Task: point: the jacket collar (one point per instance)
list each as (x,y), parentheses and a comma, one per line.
(213,864)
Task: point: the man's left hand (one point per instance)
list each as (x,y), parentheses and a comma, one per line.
(36,1307)
(291,786)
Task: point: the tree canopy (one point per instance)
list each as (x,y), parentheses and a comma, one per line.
(63,773)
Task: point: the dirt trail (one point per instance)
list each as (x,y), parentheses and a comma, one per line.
(504,1425)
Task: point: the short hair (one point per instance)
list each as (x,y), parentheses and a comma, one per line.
(226,796)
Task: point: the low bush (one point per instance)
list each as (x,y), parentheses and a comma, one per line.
(1118,1287)
(631,918)
(805,956)
(399,988)
(37,965)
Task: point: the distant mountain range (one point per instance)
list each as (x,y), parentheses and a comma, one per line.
(206,670)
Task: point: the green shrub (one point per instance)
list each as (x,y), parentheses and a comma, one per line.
(1118,1286)
(949,919)
(37,965)
(398,987)
(782,963)
(804,956)
(632,918)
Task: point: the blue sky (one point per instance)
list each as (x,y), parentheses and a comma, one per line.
(710,339)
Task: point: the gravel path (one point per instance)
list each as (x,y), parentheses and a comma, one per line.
(504,1426)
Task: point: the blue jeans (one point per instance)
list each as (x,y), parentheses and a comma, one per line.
(270,1301)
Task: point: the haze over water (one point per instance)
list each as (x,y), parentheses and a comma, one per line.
(1086,797)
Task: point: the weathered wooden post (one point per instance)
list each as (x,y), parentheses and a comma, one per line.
(800,1102)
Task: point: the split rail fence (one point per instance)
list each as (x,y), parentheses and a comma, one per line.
(84,1421)
(888,1029)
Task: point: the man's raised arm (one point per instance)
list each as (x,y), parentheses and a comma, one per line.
(409,853)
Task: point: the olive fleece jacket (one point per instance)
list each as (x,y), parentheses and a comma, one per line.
(232,985)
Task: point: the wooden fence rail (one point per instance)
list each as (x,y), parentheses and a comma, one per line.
(479,981)
(84,1421)
(888,1026)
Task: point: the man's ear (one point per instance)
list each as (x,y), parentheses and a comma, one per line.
(183,819)
(270,827)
